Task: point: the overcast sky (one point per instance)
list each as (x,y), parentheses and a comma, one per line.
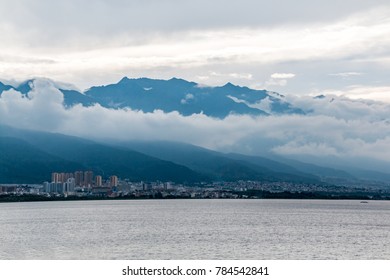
(298,48)
(293,47)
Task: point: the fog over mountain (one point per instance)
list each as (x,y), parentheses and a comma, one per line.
(330,130)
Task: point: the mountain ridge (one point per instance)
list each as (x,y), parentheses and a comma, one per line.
(185,97)
(44,152)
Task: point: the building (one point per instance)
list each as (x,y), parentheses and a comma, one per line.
(69,186)
(54,187)
(46,187)
(55,177)
(113,181)
(79,178)
(88,178)
(60,177)
(98,181)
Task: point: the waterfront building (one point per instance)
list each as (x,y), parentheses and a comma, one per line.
(88,178)
(69,186)
(55,177)
(98,181)
(113,181)
(79,178)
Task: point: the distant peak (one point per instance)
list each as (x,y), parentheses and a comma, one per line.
(124,79)
(229,84)
(174,79)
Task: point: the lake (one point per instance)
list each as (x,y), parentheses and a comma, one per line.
(195,229)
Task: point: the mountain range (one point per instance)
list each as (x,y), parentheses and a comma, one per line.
(31,156)
(179,95)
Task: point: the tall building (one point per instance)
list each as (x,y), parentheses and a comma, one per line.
(55,177)
(61,177)
(46,187)
(88,178)
(79,178)
(113,181)
(98,181)
(69,185)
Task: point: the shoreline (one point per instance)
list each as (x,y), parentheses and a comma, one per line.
(284,196)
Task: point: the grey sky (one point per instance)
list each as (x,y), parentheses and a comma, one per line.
(210,42)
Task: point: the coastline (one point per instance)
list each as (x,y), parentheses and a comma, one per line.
(9,198)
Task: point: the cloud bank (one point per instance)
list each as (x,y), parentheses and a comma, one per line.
(335,127)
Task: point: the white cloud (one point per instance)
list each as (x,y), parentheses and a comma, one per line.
(279,79)
(245,76)
(356,92)
(188,97)
(282,75)
(346,74)
(344,128)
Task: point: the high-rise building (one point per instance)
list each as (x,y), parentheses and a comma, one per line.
(88,178)
(79,178)
(98,181)
(113,181)
(69,185)
(46,187)
(55,177)
(61,177)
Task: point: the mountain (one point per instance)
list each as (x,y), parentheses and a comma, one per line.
(21,162)
(231,166)
(219,166)
(71,96)
(187,98)
(34,155)
(179,95)
(30,156)
(4,87)
(326,174)
(34,152)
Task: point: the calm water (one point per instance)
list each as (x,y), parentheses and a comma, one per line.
(195,229)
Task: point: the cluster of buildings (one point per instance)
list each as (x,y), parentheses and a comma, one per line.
(79,181)
(86,184)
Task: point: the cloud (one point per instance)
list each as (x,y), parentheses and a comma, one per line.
(279,79)
(346,74)
(108,19)
(187,98)
(89,45)
(282,75)
(342,128)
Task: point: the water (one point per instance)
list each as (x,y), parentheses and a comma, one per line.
(195,229)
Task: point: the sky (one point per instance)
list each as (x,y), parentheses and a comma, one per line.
(294,47)
(298,48)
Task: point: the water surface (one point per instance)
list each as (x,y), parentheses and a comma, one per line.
(195,229)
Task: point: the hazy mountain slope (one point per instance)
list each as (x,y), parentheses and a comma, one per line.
(217,165)
(271,164)
(104,160)
(320,171)
(21,162)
